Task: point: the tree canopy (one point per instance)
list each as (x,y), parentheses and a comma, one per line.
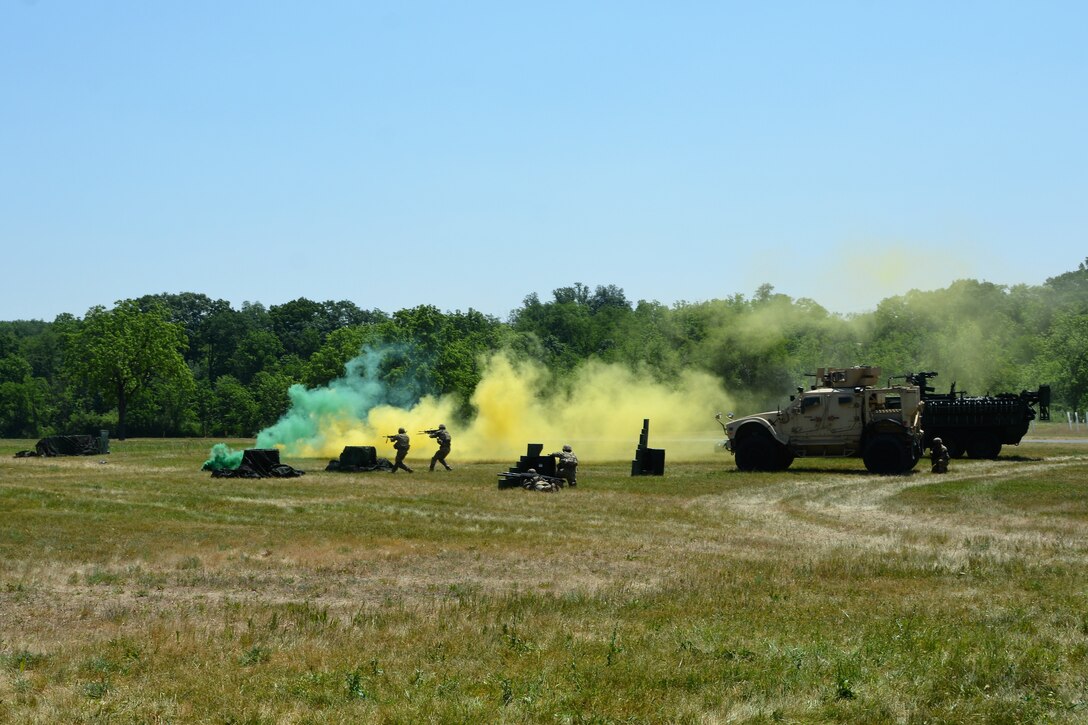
(187,364)
(121,353)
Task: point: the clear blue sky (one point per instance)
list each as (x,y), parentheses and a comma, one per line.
(467,154)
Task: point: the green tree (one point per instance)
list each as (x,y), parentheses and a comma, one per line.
(236,411)
(45,352)
(647,337)
(576,325)
(212,328)
(14,368)
(468,338)
(164,408)
(1064,360)
(217,341)
(1071,288)
(25,408)
(258,350)
(269,392)
(24,399)
(122,352)
(302,325)
(36,341)
(438,353)
(342,345)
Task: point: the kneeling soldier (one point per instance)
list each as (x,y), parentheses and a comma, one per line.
(567,467)
(939,456)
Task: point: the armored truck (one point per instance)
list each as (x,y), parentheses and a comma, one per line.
(978,425)
(844,414)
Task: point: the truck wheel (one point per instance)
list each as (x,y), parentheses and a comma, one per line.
(887,454)
(757,453)
(983,445)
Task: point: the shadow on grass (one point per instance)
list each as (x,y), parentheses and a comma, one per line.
(795,470)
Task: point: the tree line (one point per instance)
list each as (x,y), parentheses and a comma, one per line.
(187,365)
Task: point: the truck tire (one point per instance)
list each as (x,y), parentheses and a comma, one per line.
(888,454)
(983,445)
(758,453)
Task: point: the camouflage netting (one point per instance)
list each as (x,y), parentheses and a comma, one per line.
(356,459)
(254,463)
(79,445)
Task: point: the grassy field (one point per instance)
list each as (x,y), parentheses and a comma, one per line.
(136,588)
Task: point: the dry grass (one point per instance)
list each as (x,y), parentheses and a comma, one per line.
(142,590)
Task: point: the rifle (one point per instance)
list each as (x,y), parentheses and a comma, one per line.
(432,432)
(523,477)
(392,437)
(530,481)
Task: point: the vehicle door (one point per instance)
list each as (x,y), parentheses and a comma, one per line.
(844,415)
(808,418)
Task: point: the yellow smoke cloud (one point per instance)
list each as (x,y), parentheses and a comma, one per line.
(600,416)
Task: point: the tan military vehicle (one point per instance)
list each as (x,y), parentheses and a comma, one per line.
(842,415)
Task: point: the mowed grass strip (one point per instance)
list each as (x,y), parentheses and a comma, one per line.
(142,590)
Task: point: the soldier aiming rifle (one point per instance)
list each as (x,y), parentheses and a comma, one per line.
(401,445)
(443,437)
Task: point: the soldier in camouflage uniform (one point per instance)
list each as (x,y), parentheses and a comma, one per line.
(401,444)
(443,437)
(939,456)
(543,484)
(567,467)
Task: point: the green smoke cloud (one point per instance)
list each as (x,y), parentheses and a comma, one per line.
(222,458)
(316,414)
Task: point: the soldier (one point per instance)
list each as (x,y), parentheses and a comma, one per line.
(443,437)
(401,444)
(567,467)
(536,482)
(938,456)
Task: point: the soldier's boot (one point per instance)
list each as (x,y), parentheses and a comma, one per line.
(447,467)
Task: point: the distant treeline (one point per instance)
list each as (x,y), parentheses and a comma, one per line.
(187,365)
